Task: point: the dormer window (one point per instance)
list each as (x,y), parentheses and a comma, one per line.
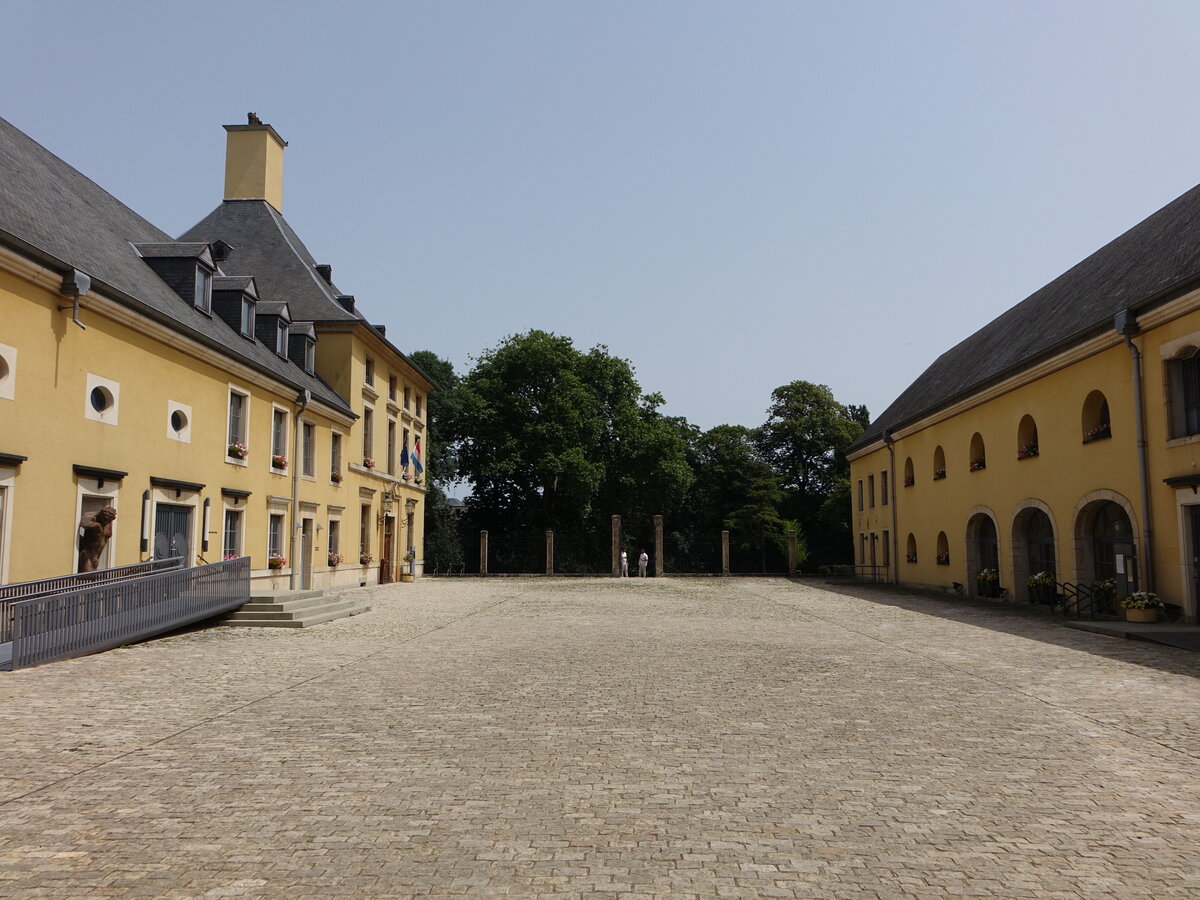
(247,328)
(310,357)
(203,289)
(281,337)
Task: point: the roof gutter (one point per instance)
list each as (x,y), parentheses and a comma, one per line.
(1165,295)
(63,268)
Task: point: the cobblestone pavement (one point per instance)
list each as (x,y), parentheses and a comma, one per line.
(587,737)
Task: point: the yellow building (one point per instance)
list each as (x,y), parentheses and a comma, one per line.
(218,392)
(1063,437)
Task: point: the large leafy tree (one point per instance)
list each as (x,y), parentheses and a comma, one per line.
(804,440)
(552,437)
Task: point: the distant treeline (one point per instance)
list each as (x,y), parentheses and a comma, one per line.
(550,437)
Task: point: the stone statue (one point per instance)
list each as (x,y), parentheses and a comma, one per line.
(95,529)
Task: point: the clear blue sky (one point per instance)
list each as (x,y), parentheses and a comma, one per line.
(730,195)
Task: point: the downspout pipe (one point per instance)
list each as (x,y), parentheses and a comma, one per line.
(302,402)
(890,443)
(1125,322)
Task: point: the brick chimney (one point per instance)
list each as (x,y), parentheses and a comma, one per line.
(254,162)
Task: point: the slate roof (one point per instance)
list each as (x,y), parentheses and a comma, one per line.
(264,244)
(56,215)
(1154,261)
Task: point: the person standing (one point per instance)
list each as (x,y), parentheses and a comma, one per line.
(624,564)
(643,562)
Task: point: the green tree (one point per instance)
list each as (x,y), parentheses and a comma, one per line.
(804,440)
(442,406)
(551,437)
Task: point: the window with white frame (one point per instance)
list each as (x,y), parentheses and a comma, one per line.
(231,538)
(279,441)
(202,298)
(236,445)
(275,543)
(8,371)
(335,456)
(391,447)
(308,432)
(335,536)
(102,400)
(247,323)
(281,337)
(179,422)
(368,434)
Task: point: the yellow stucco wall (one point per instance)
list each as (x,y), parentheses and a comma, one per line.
(1061,480)
(45,421)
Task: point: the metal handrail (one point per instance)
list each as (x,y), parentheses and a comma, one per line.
(23,590)
(102,616)
(61,584)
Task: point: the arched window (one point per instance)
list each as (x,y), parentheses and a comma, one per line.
(978,455)
(939,463)
(943,549)
(910,554)
(1096,424)
(909,478)
(1027,438)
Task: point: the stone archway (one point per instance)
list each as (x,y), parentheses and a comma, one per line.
(1034,543)
(982,544)
(1106,541)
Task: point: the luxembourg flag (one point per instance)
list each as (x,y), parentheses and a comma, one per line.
(416,456)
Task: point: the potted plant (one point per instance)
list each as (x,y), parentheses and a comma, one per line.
(1099,433)
(365,559)
(909,480)
(1141,606)
(1104,594)
(939,473)
(911,557)
(276,561)
(237,450)
(335,476)
(278,461)
(987,583)
(335,560)
(1025,451)
(368,462)
(978,464)
(406,573)
(943,559)
(1041,587)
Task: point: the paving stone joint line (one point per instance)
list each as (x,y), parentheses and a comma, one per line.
(978,677)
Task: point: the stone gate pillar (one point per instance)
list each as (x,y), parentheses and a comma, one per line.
(658,546)
(724,552)
(549,551)
(483,552)
(616,546)
(792,554)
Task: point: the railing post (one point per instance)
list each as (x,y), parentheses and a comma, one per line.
(483,552)
(724,552)
(658,546)
(549,551)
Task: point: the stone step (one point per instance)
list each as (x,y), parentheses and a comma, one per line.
(287,605)
(306,622)
(293,609)
(256,612)
(283,596)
